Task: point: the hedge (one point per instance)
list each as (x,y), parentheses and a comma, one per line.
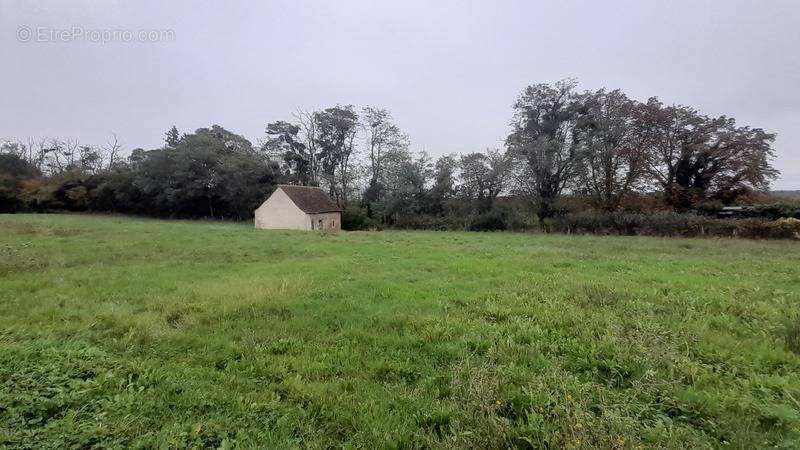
(674,224)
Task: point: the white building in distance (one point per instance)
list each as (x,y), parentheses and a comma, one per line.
(298,208)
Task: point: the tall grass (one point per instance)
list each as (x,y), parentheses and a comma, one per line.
(118,332)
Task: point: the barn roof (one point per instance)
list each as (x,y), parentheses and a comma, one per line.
(310,199)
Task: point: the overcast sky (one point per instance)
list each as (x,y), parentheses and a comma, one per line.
(448,71)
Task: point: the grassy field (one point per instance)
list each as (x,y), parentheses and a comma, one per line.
(122,332)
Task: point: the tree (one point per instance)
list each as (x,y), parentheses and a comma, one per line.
(484,176)
(612,157)
(406,180)
(695,157)
(336,130)
(544,136)
(171,137)
(308,127)
(211,173)
(444,184)
(60,155)
(382,136)
(283,141)
(14,172)
(34,151)
(113,148)
(17,149)
(114,190)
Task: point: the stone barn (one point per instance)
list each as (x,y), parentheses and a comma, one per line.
(298,208)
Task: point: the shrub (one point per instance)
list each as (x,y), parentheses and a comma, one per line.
(9,201)
(775,211)
(516,216)
(788,228)
(419,222)
(355,218)
(491,221)
(674,224)
(772,211)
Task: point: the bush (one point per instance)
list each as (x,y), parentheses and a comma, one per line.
(517,216)
(14,174)
(491,221)
(775,211)
(355,218)
(772,211)
(425,222)
(9,201)
(788,228)
(674,224)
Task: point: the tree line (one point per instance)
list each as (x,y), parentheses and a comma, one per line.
(601,148)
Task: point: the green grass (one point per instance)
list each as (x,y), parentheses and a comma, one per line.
(121,332)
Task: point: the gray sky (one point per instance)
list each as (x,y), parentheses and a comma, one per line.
(448,70)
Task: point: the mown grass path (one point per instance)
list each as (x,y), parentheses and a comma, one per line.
(120,332)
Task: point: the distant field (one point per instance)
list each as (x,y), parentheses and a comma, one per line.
(119,332)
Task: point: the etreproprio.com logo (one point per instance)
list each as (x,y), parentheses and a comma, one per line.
(93,35)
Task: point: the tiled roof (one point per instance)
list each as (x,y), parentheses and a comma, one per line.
(310,199)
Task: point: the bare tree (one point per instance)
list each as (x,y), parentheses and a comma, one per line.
(62,155)
(57,157)
(14,148)
(36,152)
(345,168)
(112,149)
(308,124)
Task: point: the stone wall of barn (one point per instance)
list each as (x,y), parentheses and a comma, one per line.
(325,221)
(280,212)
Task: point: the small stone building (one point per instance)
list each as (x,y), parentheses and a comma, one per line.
(298,208)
